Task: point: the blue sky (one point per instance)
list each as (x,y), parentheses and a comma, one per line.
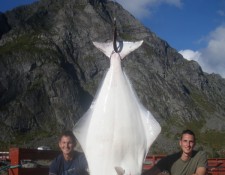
(195,28)
(10,4)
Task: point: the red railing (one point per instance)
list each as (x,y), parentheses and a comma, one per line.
(17,156)
(216,166)
(150,161)
(27,159)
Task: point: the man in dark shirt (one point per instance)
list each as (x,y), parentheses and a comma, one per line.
(186,162)
(69,162)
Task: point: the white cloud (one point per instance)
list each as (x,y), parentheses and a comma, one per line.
(221,13)
(141,8)
(190,54)
(211,58)
(177,3)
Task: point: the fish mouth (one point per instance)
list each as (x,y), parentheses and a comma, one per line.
(120,170)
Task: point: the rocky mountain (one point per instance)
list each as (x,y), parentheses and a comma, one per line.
(50,72)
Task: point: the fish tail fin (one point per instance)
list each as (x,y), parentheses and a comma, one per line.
(123,47)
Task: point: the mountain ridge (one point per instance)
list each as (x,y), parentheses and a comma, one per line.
(50,72)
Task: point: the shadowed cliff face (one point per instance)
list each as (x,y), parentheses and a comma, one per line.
(50,72)
(4,25)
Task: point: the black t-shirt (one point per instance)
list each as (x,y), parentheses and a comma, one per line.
(77,166)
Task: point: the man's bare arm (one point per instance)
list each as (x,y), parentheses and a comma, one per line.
(200,171)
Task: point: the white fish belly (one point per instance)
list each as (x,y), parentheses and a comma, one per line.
(117,130)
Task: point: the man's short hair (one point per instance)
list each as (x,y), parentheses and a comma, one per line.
(68,133)
(188,131)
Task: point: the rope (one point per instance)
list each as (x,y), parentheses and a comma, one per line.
(9,167)
(115,37)
(115,29)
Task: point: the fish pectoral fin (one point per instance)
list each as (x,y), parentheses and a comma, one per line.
(119,170)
